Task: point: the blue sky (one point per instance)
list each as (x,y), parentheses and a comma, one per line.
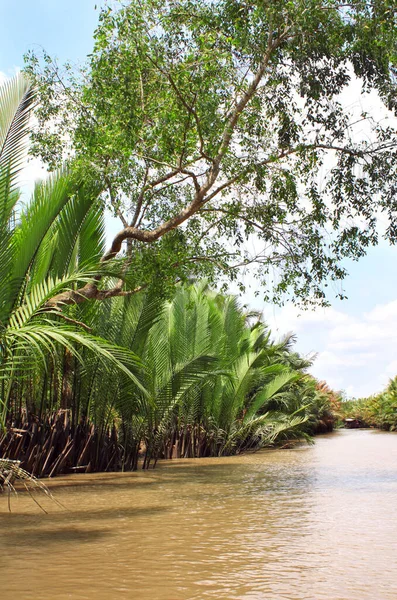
(355,339)
(63,27)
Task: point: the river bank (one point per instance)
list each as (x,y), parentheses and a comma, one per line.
(55,445)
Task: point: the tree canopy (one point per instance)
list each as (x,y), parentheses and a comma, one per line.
(211,127)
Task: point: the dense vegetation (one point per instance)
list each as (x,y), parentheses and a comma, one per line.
(203,126)
(207,378)
(211,383)
(379,410)
(93,385)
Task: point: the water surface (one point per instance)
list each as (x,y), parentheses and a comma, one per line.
(315,522)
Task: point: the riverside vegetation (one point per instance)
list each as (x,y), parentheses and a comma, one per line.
(379,410)
(93,387)
(203,377)
(107,355)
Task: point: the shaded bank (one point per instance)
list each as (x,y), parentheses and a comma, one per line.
(54,446)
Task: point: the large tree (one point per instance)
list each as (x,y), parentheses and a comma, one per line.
(208,124)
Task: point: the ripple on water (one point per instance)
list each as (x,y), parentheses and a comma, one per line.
(312,523)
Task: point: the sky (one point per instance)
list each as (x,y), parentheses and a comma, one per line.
(355,340)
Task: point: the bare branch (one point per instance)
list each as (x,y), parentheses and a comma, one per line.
(113,202)
(246,97)
(140,199)
(89,292)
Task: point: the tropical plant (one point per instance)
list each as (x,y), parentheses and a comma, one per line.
(378,410)
(48,246)
(219,374)
(212,384)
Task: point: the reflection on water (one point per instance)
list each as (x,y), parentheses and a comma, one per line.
(309,523)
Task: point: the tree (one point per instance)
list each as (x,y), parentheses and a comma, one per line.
(207,124)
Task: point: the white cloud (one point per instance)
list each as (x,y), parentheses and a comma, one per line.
(291,318)
(383,313)
(391,368)
(332,359)
(362,350)
(360,332)
(356,352)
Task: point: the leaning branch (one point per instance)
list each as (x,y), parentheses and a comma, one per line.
(201,197)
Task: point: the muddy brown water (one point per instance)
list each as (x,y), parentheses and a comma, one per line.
(315,522)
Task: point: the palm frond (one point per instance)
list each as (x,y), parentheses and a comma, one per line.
(16,103)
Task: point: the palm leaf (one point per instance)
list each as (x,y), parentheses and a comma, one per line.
(16,103)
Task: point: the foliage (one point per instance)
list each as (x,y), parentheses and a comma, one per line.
(186,373)
(44,251)
(213,382)
(207,125)
(379,410)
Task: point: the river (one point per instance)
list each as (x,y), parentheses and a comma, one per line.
(315,522)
